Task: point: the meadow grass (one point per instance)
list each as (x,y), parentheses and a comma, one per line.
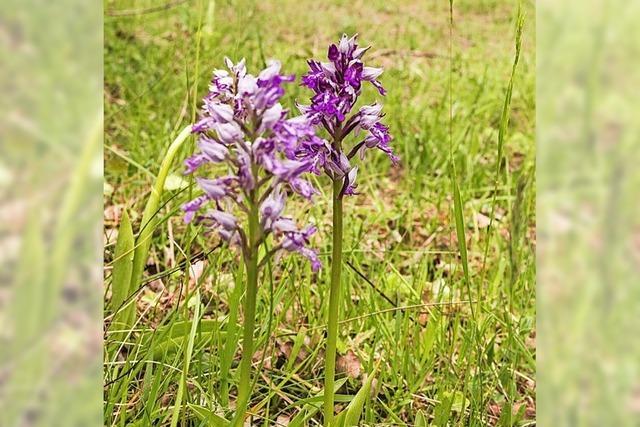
(439,277)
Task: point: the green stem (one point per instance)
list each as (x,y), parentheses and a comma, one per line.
(251,263)
(230,341)
(334,304)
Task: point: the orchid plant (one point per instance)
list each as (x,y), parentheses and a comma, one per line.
(337,85)
(251,154)
(250,145)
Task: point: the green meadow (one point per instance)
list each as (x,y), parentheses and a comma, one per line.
(439,252)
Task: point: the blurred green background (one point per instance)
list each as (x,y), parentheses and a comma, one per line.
(50,213)
(588,213)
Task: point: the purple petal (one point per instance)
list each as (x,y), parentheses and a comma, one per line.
(245,175)
(272,70)
(297,241)
(359,53)
(347,45)
(378,86)
(215,189)
(247,85)
(288,170)
(219,113)
(303,188)
(333,53)
(202,125)
(225,220)
(350,182)
(239,69)
(271,208)
(190,208)
(270,117)
(212,150)
(371,73)
(194,162)
(284,225)
(231,236)
(229,133)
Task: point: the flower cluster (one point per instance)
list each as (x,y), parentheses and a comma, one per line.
(245,131)
(337,84)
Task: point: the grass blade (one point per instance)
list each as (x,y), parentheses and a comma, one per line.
(231,341)
(187,360)
(351,415)
(80,183)
(443,410)
(29,297)
(502,130)
(121,276)
(26,308)
(148,224)
(462,243)
(310,409)
(208,416)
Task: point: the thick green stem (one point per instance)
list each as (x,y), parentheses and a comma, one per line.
(251,263)
(334,304)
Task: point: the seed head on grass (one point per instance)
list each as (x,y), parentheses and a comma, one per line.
(244,128)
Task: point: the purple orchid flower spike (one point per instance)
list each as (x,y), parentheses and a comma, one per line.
(244,126)
(337,85)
